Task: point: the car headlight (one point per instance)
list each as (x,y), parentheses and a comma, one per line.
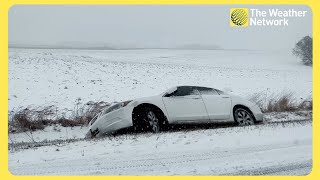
(116,106)
(125,103)
(94,119)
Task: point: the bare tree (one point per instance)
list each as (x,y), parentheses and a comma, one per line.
(303,50)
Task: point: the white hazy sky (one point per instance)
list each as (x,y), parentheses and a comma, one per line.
(149,26)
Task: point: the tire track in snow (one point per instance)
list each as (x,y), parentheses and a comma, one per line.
(304,166)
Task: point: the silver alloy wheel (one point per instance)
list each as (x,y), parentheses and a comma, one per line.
(153,121)
(243,117)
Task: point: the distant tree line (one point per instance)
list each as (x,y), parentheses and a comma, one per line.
(303,50)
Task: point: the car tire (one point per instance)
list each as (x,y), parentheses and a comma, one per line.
(243,117)
(152,120)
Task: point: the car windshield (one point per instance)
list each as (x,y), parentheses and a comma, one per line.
(169,91)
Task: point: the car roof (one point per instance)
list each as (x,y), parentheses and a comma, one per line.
(195,87)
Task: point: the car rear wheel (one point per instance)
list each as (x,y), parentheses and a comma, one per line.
(243,117)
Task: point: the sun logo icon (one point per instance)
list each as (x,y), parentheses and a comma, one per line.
(239,17)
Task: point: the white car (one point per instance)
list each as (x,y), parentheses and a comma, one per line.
(182,104)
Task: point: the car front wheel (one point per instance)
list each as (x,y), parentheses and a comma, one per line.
(152,121)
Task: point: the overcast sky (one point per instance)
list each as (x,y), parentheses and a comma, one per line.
(149,26)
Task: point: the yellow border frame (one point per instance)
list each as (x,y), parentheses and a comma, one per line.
(4,9)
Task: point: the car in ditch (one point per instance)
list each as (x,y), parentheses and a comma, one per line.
(177,105)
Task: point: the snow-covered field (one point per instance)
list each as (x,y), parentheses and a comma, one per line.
(259,150)
(59,77)
(43,77)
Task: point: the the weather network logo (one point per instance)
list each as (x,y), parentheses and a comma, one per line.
(239,17)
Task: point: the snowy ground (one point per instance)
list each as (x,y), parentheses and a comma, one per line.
(59,77)
(270,149)
(48,134)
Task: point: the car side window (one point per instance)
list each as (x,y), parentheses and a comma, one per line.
(185,91)
(207,91)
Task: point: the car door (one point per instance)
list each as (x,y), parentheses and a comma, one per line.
(185,104)
(218,105)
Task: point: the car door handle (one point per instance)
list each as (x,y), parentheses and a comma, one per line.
(225,97)
(195,98)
